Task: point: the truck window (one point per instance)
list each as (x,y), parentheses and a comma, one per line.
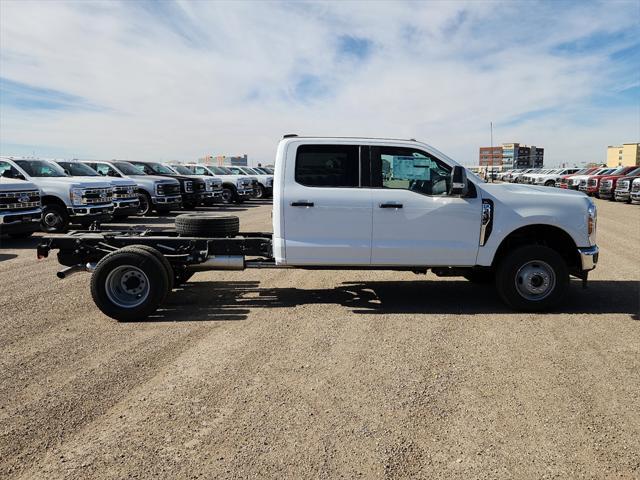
(9,171)
(409,169)
(327,165)
(104,169)
(201,171)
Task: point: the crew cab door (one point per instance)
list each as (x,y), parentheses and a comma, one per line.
(327,216)
(416,222)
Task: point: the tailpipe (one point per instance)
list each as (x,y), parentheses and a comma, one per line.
(67,272)
(219,262)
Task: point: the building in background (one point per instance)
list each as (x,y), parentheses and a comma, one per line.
(627,154)
(512,155)
(490,156)
(223,160)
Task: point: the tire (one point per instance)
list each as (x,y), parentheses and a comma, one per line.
(54,219)
(146,206)
(129,302)
(550,183)
(481,277)
(163,260)
(260,191)
(20,235)
(207,225)
(522,274)
(229,195)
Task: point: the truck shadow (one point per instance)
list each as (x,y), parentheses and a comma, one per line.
(236,300)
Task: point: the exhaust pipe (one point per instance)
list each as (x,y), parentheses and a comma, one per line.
(67,272)
(219,262)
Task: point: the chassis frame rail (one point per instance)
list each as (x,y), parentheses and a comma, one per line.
(80,247)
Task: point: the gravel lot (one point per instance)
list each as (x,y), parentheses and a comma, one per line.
(298,374)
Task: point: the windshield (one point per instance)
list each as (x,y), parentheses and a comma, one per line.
(221,170)
(618,171)
(182,170)
(41,168)
(76,169)
(161,169)
(235,170)
(128,169)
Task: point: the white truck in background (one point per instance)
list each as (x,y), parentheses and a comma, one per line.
(358,203)
(20,208)
(235,188)
(65,200)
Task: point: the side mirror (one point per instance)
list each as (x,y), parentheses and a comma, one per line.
(459,185)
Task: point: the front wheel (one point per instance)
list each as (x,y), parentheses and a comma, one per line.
(532,278)
(54,219)
(550,183)
(229,195)
(144,206)
(260,192)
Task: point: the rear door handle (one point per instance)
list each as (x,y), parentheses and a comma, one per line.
(302,203)
(390,205)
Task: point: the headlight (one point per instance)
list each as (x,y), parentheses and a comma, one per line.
(591,223)
(269,182)
(159,189)
(208,186)
(76,196)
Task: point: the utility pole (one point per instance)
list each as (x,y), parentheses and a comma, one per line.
(491,156)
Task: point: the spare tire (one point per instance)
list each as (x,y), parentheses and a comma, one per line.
(207,225)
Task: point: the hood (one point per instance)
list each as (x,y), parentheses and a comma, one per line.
(114,181)
(80,182)
(505,191)
(154,178)
(14,184)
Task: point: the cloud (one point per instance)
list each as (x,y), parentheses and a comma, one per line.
(177,80)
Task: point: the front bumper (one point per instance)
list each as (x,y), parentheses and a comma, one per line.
(126,207)
(605,194)
(635,196)
(173,200)
(209,198)
(622,195)
(245,192)
(20,222)
(90,211)
(588,257)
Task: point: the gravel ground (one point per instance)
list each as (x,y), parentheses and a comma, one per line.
(298,374)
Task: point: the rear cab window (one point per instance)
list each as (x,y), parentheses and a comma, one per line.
(328,166)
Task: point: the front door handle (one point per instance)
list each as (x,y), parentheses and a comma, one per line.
(302,203)
(390,205)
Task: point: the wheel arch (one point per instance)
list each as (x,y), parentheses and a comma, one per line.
(540,234)
(53,200)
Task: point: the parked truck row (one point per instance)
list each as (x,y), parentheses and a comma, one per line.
(83,192)
(356,203)
(621,184)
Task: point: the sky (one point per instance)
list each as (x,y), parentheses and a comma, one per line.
(177,80)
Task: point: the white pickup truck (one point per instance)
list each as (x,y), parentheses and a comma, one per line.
(358,203)
(65,200)
(20,210)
